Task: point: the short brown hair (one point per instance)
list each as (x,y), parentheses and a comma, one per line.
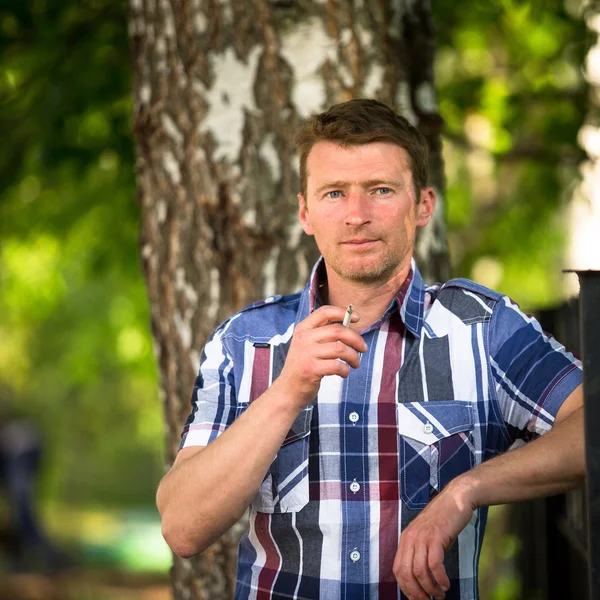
(363,121)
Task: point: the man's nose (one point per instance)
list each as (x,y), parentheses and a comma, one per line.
(357,209)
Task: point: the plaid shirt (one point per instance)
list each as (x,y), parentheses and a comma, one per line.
(454,374)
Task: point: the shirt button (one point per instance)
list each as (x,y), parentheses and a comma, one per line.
(428,428)
(354,417)
(354,487)
(355,556)
(269,299)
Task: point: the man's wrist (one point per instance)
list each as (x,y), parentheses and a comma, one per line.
(287,400)
(289,395)
(466,490)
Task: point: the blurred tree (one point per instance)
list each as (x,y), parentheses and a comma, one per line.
(219,92)
(584,247)
(511,91)
(75,353)
(75,349)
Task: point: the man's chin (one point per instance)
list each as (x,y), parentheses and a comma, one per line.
(365,273)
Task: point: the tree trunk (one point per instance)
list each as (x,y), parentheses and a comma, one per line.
(220,88)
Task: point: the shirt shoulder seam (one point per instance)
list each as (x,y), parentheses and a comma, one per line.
(491,378)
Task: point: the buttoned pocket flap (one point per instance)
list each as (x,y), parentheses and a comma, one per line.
(300,427)
(430,422)
(285,486)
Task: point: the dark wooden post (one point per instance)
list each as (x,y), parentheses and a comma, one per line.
(590,345)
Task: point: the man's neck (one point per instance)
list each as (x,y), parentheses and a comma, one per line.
(369,299)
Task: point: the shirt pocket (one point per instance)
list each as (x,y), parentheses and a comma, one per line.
(285,486)
(436,445)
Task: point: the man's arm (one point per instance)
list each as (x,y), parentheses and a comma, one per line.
(552,464)
(209,488)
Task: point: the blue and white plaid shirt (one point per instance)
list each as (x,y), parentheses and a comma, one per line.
(454,374)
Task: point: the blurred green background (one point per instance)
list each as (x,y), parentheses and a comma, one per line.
(75,346)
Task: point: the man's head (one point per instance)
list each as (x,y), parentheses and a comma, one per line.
(364,193)
(364,121)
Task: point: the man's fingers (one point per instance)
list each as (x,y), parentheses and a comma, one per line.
(403,570)
(423,574)
(333,367)
(436,566)
(325,315)
(333,333)
(339,350)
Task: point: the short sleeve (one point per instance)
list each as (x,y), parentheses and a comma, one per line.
(533,373)
(213,398)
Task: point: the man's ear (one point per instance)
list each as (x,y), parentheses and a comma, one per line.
(303,215)
(426,206)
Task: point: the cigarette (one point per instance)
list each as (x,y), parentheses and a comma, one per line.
(348,316)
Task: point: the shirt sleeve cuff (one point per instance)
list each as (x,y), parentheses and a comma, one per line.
(199,436)
(562,389)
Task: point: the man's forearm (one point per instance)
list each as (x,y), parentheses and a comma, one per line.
(552,464)
(205,493)
(200,498)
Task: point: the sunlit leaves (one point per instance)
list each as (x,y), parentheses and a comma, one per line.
(31,283)
(75,348)
(512,96)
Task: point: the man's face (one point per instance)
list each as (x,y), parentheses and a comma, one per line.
(360,205)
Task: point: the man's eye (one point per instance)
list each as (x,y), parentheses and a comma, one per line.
(383,191)
(334,195)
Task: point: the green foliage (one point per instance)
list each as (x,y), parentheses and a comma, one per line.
(513,98)
(75,349)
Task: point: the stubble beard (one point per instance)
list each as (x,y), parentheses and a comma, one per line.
(366,274)
(371,273)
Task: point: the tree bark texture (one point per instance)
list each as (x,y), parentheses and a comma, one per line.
(220,89)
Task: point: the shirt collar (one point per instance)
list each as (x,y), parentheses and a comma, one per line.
(410,299)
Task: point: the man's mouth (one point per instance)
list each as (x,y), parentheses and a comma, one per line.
(359,242)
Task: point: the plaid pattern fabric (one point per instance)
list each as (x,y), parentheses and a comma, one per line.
(454,374)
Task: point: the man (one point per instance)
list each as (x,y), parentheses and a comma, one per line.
(360,450)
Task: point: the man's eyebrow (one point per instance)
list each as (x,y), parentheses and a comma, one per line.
(331,184)
(375,182)
(366,184)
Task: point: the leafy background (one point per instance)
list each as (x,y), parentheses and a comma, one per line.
(75,347)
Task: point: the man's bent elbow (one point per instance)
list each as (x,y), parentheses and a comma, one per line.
(187,537)
(180,543)
(189,540)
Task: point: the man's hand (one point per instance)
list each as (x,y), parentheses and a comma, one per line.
(318,342)
(419,563)
(552,464)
